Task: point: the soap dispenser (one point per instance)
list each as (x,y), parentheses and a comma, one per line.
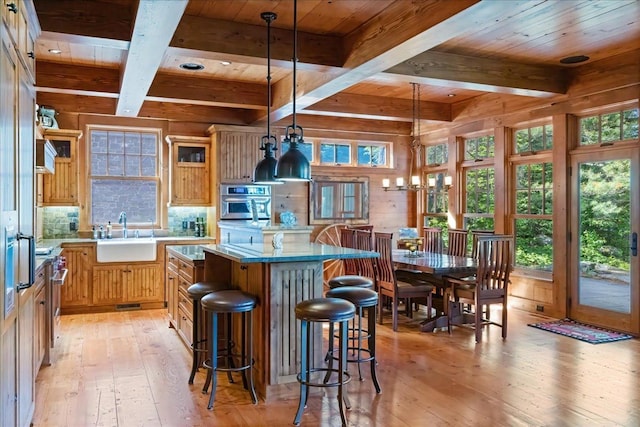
(95,232)
(109,235)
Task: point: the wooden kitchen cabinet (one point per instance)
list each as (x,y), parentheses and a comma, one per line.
(115,284)
(75,292)
(40,326)
(61,188)
(238,151)
(185,266)
(190,170)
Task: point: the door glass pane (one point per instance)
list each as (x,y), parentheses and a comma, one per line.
(605,224)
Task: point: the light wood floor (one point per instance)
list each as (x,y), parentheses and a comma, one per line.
(130,369)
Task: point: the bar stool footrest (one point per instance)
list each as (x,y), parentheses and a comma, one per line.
(346,379)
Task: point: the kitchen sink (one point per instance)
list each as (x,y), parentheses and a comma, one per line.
(126,250)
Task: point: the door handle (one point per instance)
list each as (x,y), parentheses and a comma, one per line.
(32,261)
(634,244)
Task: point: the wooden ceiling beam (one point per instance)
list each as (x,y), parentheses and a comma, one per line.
(250,41)
(348,124)
(98,81)
(399,33)
(484,74)
(154,26)
(367,106)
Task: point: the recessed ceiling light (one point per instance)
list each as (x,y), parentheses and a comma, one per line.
(451,95)
(225,63)
(192,66)
(55,51)
(574,59)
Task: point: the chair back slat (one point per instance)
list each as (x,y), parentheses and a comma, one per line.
(494,262)
(432,239)
(457,242)
(364,241)
(474,240)
(385,274)
(347,240)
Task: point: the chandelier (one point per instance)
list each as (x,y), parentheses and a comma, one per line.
(414,183)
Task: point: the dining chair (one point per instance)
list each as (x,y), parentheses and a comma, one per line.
(364,241)
(347,240)
(474,240)
(457,245)
(432,239)
(389,286)
(490,284)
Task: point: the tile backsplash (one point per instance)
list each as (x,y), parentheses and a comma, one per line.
(62,222)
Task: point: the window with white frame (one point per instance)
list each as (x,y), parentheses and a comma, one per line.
(373,154)
(124,174)
(335,153)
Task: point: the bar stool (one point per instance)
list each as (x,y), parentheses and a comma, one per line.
(362,299)
(332,310)
(196,292)
(229,302)
(351,280)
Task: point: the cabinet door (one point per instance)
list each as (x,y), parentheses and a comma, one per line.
(40,330)
(26,379)
(75,291)
(108,284)
(191,173)
(239,155)
(61,188)
(143,283)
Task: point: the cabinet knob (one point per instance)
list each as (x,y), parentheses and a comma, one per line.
(243,267)
(43,302)
(31,55)
(12,7)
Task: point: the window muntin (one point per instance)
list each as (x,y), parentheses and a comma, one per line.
(479,191)
(534,188)
(481,147)
(436,155)
(123,175)
(372,155)
(334,153)
(534,139)
(609,127)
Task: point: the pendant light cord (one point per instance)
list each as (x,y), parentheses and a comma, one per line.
(295,57)
(268,17)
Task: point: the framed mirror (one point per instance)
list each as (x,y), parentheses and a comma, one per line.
(339,199)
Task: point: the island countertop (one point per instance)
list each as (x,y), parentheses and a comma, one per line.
(291,252)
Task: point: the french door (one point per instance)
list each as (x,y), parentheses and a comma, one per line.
(605,222)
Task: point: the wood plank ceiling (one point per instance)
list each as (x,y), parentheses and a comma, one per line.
(356,58)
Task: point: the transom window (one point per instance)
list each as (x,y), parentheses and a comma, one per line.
(327,152)
(609,127)
(306,149)
(123,175)
(534,139)
(479,148)
(372,154)
(335,153)
(436,155)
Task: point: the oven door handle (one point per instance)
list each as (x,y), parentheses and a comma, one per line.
(32,261)
(236,200)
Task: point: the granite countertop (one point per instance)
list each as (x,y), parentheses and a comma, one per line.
(292,252)
(262,225)
(191,252)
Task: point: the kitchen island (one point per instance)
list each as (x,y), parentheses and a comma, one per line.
(279,278)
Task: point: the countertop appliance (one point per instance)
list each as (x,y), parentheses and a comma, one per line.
(45,156)
(243,201)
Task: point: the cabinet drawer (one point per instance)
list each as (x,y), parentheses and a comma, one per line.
(185,326)
(173,262)
(183,286)
(186,270)
(186,305)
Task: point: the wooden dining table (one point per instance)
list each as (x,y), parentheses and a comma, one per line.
(435,266)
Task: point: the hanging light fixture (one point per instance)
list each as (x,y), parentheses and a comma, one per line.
(265,170)
(293,165)
(414,183)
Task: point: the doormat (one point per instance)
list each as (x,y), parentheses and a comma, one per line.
(580,331)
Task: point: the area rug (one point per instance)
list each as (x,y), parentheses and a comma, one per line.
(580,331)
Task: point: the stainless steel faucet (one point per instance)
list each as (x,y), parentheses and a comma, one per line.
(123,220)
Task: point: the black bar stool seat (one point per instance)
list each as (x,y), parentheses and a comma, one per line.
(362,299)
(198,346)
(229,302)
(332,310)
(351,280)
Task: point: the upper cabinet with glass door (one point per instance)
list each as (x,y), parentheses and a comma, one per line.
(61,188)
(190,170)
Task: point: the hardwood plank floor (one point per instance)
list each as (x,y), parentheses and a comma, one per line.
(129,369)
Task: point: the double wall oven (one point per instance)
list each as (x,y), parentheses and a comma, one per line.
(245,202)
